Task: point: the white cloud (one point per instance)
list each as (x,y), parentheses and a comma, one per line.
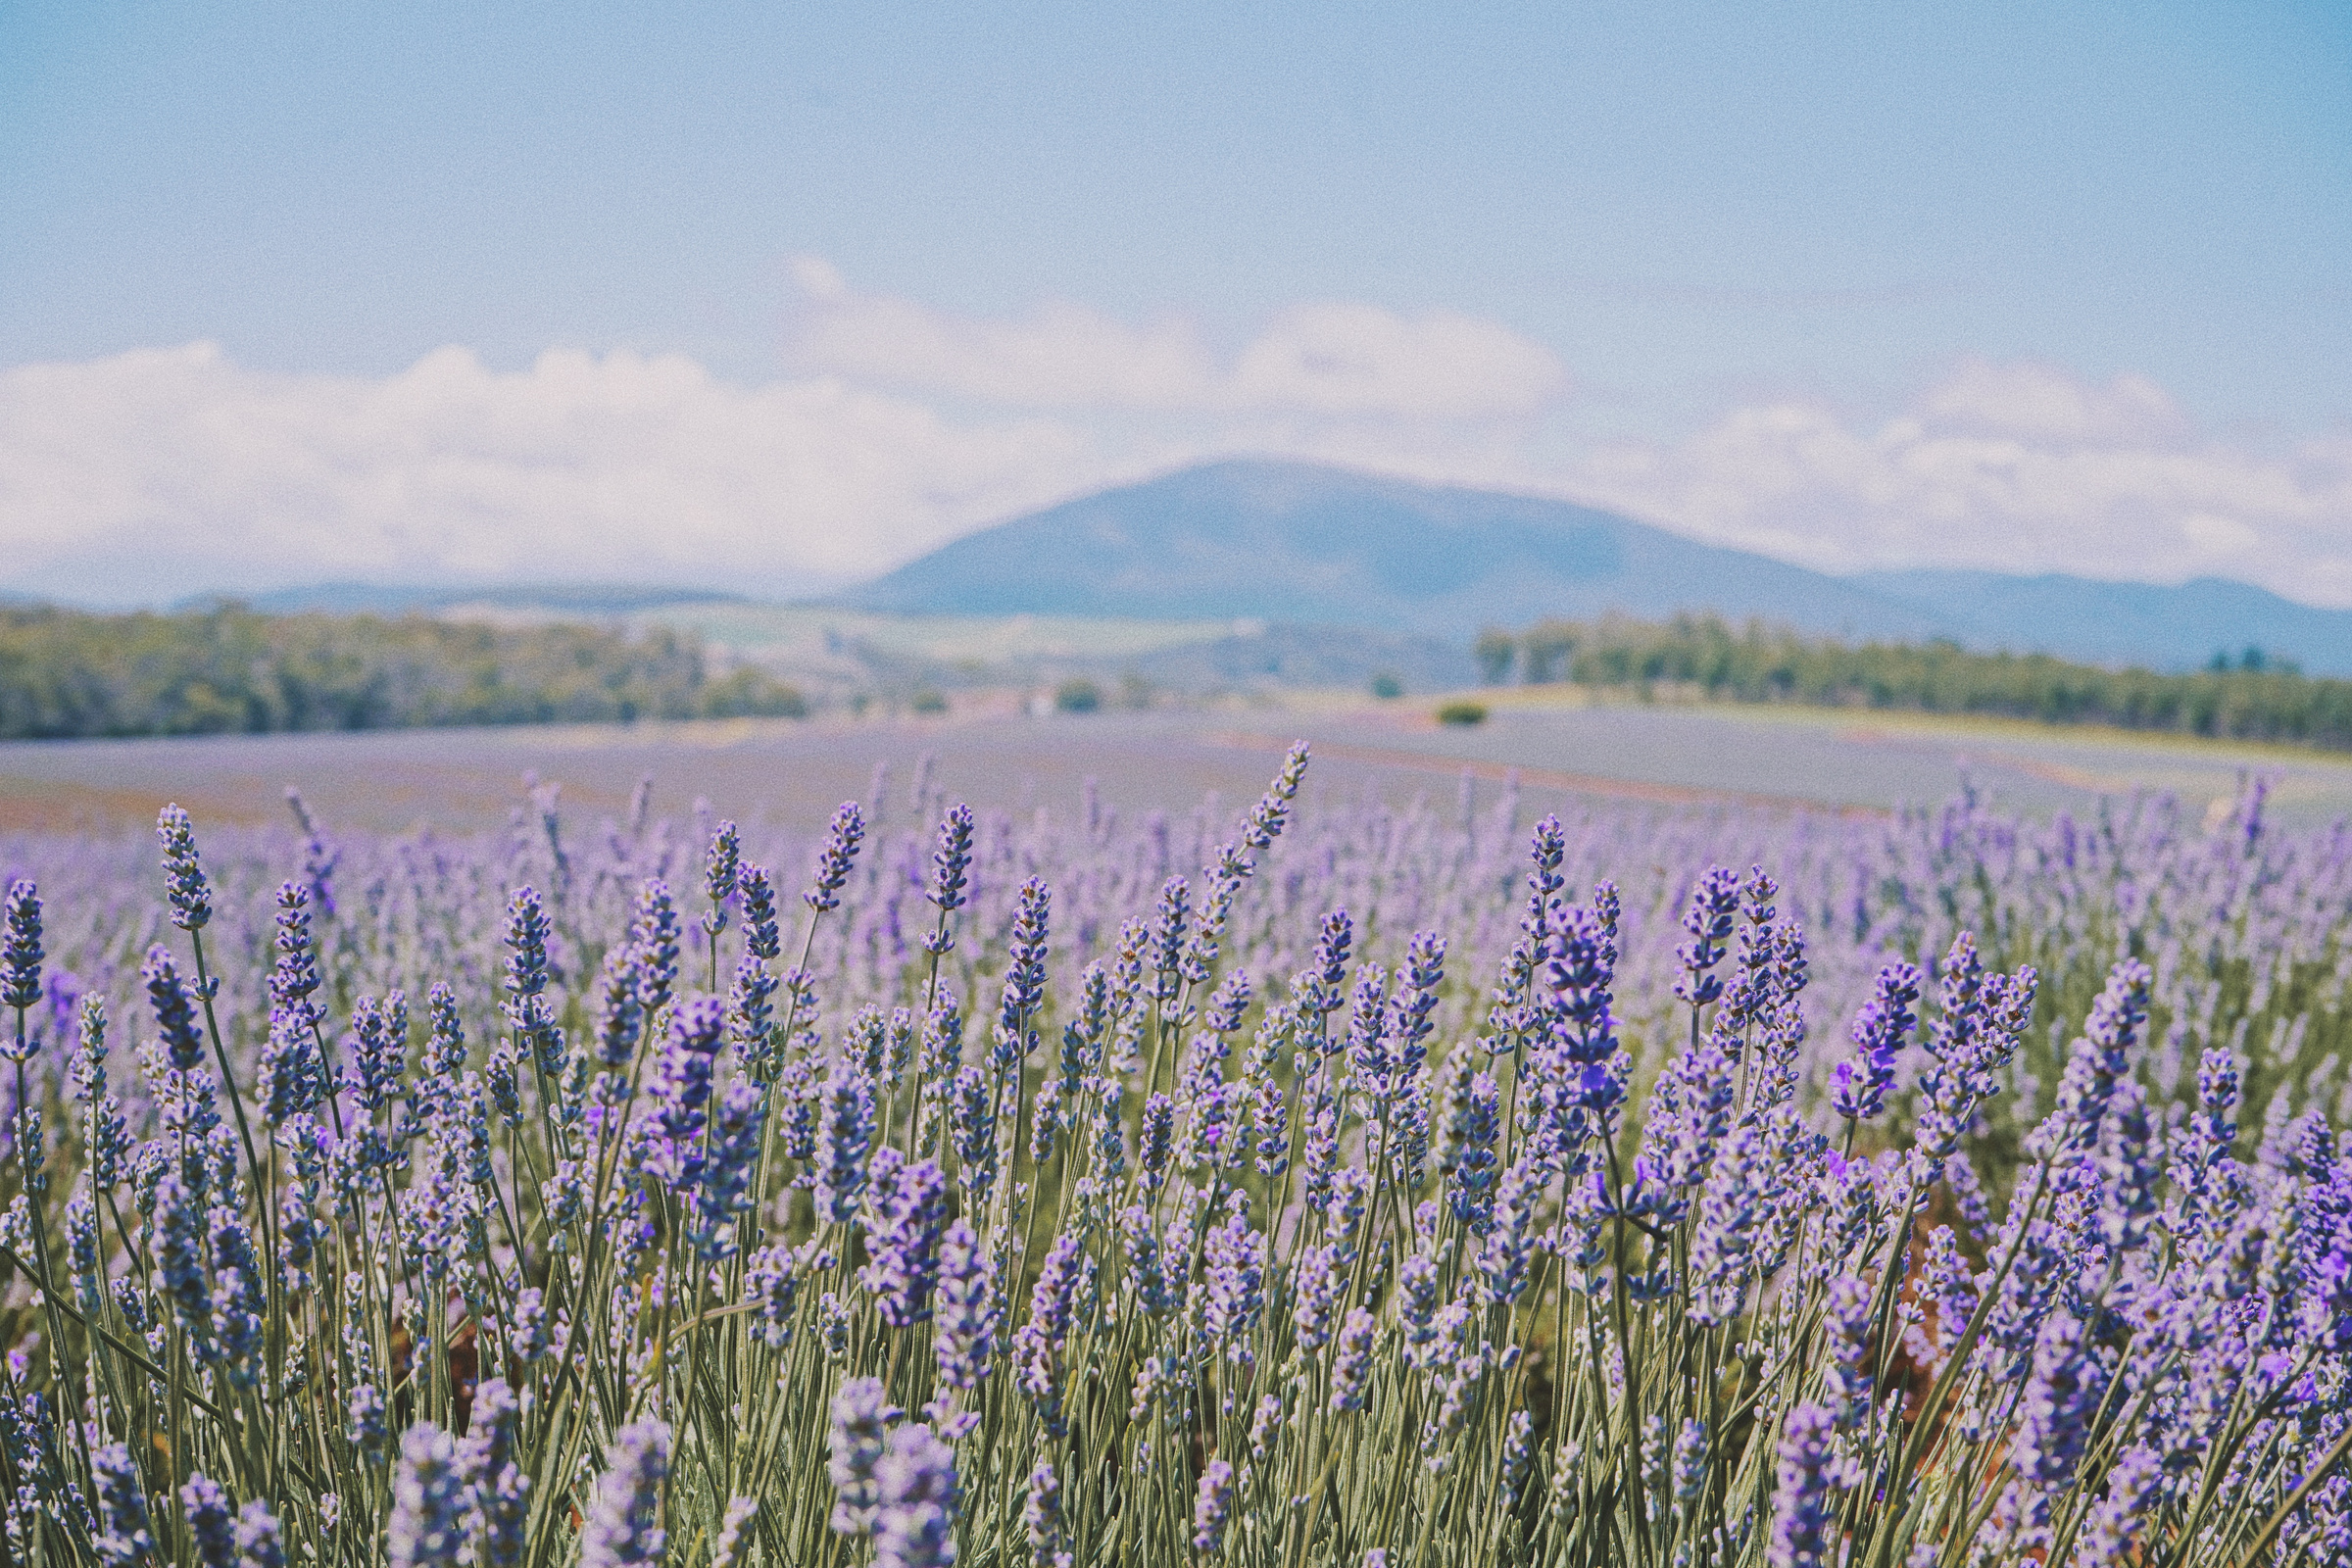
(1318,359)
(158,473)
(2019,467)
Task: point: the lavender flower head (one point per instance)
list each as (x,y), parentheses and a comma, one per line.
(211,1529)
(848,1133)
(763,933)
(427,1527)
(1803,1510)
(123,1539)
(682,1087)
(2102,1055)
(734,1534)
(623,1529)
(653,946)
(903,1244)
(1041,1518)
(2062,1394)
(261,1542)
(174,1011)
(726,1174)
(295,975)
(722,865)
(617,1010)
(915,1484)
(1859,1085)
(526,936)
(970,1309)
(501,1491)
(380,1049)
(1321,987)
(1212,1508)
(1713,911)
(191,897)
(861,1418)
(1025,965)
(21,955)
(951,869)
(318,859)
(1845,1378)
(1266,818)
(1351,1364)
(836,859)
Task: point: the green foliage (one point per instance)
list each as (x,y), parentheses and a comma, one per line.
(2256,698)
(1387,686)
(1463,712)
(230,671)
(1079,696)
(1495,650)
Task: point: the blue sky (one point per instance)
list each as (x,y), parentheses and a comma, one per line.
(1701,242)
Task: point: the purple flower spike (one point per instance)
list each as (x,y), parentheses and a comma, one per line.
(904,1241)
(428,1529)
(1858,1086)
(681,1088)
(1803,1511)
(861,1418)
(834,862)
(920,1499)
(623,1530)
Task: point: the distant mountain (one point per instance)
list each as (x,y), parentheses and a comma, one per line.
(2123,622)
(1295,544)
(1291,543)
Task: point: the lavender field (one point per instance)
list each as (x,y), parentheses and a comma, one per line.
(1393,1171)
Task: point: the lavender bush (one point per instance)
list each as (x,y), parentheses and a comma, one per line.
(1398,1189)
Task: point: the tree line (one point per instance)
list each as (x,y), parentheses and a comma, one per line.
(229,669)
(2248,698)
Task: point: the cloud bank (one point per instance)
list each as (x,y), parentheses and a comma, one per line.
(149,475)
(2017,467)
(156,473)
(1317,359)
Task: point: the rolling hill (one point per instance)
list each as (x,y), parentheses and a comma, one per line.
(1291,543)
(1296,544)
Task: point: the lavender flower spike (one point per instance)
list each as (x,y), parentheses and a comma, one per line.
(428,1528)
(1803,1514)
(21,951)
(261,1542)
(861,1417)
(951,867)
(211,1530)
(1213,1508)
(971,1308)
(919,1499)
(123,1539)
(175,1009)
(734,1538)
(622,1528)
(1858,1086)
(836,859)
(2061,1397)
(191,898)
(722,865)
(681,1085)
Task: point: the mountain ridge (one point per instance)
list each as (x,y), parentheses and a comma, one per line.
(1293,542)
(1288,542)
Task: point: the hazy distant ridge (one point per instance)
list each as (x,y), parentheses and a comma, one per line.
(1294,543)
(1287,542)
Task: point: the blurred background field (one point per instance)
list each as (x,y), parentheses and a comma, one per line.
(991,747)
